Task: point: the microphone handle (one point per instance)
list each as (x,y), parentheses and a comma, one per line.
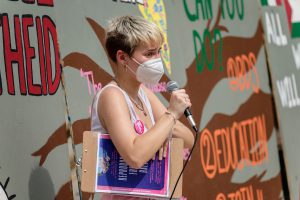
(187,112)
(190,119)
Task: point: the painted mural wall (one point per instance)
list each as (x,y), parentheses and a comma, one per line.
(32,104)
(214,49)
(282,35)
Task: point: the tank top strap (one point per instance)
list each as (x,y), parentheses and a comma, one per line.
(128,101)
(146,101)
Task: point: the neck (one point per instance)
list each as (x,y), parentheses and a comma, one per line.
(130,86)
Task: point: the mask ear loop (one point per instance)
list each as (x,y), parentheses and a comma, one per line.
(125,67)
(136,61)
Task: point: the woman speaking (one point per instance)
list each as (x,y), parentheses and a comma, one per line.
(139,125)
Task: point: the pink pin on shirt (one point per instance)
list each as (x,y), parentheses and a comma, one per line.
(139,127)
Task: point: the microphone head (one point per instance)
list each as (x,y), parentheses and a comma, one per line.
(172,86)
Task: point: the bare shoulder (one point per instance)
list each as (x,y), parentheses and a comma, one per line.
(111,95)
(110,92)
(111,104)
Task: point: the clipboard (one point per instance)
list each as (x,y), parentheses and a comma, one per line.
(90,161)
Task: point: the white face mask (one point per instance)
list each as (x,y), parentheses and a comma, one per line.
(149,72)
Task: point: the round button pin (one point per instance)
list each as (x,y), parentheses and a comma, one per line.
(139,127)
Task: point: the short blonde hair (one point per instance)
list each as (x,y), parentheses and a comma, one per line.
(127,32)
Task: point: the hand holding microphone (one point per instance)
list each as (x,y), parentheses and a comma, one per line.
(180,102)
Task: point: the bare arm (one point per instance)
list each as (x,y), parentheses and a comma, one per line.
(179,130)
(135,149)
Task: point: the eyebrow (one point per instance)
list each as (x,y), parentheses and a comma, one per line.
(153,49)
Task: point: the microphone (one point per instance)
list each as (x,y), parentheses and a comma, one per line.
(172,86)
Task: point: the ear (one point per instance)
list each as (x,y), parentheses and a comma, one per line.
(122,57)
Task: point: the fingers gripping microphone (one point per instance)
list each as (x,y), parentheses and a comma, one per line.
(172,86)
